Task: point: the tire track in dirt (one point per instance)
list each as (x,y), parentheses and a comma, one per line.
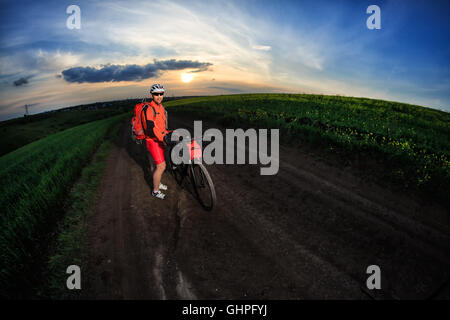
(429,236)
(347,229)
(132,236)
(308,232)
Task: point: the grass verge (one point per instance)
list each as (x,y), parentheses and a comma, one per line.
(37,179)
(70,245)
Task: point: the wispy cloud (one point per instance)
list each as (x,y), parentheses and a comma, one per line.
(262,48)
(232,90)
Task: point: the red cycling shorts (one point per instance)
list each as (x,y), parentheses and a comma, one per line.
(156,149)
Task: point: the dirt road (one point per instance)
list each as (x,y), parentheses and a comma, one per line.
(309,232)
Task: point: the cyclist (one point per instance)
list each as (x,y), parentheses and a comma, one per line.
(156,117)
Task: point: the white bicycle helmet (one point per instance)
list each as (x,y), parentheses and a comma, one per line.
(156,88)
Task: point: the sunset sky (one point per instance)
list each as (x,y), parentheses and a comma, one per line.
(221,47)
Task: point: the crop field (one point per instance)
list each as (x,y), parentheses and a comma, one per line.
(35,180)
(412,143)
(18,132)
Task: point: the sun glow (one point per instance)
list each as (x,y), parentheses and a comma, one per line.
(187,77)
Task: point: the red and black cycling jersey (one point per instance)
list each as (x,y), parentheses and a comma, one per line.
(156,116)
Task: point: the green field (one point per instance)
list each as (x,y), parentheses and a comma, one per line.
(35,181)
(411,143)
(18,132)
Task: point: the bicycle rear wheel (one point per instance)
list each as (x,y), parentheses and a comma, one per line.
(203,186)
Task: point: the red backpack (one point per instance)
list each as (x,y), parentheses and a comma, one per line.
(138,122)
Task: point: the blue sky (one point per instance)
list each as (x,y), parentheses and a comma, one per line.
(221,47)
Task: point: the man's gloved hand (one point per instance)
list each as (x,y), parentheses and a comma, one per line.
(168,139)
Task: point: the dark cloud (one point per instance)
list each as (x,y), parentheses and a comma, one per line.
(129,72)
(21,81)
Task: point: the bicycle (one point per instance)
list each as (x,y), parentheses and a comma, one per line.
(199,176)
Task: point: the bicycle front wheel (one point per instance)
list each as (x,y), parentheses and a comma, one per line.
(203,186)
(178,171)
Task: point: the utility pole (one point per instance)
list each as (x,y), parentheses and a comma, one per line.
(26,110)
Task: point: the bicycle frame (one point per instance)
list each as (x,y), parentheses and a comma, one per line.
(194,149)
(195,153)
(188,169)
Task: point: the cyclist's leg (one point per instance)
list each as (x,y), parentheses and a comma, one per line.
(157,175)
(157,153)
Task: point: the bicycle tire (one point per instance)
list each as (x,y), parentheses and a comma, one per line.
(206,179)
(178,171)
(179,174)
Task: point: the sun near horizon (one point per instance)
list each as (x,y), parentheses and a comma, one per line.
(187,77)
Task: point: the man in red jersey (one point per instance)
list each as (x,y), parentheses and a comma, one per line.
(156,120)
